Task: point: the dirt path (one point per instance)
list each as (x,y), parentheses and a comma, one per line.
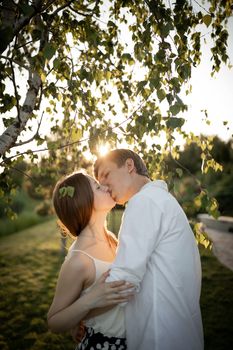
(222,246)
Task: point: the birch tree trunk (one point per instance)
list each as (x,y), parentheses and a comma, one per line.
(10,135)
(24,112)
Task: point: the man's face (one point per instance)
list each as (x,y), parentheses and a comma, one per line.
(117,179)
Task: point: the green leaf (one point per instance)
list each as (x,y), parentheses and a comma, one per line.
(154,82)
(99,76)
(141,85)
(56,63)
(36,34)
(176,84)
(175,109)
(207,19)
(179,172)
(49,51)
(175,123)
(165,29)
(43,76)
(125,57)
(76,134)
(213,208)
(40,141)
(108,75)
(111,24)
(66,191)
(27,9)
(161,94)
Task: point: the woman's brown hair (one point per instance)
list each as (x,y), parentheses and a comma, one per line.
(75,211)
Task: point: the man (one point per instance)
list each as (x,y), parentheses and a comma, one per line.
(158,253)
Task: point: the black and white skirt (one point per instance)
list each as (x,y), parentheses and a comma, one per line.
(99,341)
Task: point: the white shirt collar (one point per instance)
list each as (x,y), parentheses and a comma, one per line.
(157,183)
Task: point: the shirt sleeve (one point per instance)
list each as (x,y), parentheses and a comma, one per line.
(138,236)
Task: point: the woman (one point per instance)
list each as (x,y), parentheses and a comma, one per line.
(82,205)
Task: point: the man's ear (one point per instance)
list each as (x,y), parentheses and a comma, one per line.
(130,165)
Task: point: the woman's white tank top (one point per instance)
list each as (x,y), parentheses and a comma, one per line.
(112,322)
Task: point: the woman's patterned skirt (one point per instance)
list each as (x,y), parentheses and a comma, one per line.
(99,341)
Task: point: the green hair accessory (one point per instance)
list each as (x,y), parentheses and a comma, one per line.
(66,191)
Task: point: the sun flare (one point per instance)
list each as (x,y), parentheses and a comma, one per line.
(103,149)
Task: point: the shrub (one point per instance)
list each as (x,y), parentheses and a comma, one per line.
(18,204)
(15,202)
(24,220)
(223,192)
(44,209)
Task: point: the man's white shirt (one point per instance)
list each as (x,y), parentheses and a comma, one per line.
(157,252)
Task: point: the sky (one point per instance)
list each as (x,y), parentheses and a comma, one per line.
(214,94)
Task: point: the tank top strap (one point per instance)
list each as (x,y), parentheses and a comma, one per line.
(100,265)
(82,251)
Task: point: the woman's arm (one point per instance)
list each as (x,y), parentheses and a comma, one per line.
(63,311)
(68,308)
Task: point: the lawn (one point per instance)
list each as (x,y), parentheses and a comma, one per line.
(30,261)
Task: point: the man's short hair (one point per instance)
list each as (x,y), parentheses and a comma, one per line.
(119,157)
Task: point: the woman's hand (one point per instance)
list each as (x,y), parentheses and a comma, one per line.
(69,307)
(109,293)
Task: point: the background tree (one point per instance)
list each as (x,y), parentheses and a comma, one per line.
(103,70)
(192,187)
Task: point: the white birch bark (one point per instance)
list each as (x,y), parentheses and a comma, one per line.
(10,135)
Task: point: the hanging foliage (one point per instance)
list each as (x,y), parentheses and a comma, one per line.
(96,70)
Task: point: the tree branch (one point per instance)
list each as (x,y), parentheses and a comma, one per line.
(78,12)
(187,171)
(61,8)
(31,138)
(40,97)
(15,87)
(26,43)
(10,135)
(19,24)
(16,92)
(202,7)
(20,171)
(14,61)
(5,160)
(48,5)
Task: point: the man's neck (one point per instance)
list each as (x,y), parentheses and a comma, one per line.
(139,182)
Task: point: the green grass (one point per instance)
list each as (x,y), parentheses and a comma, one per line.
(216,303)
(30,262)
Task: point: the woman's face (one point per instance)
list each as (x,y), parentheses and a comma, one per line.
(102,199)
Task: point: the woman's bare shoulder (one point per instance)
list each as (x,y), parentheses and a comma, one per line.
(77,261)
